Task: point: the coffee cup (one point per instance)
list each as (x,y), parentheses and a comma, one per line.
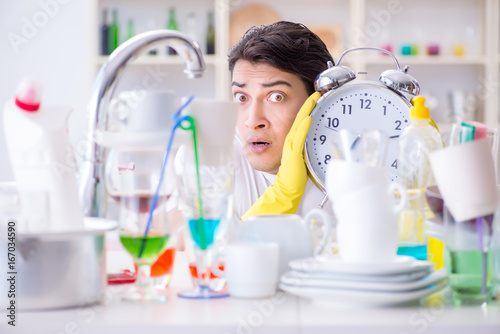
(251,269)
(143,110)
(465,175)
(373,204)
(292,233)
(344,176)
(367,243)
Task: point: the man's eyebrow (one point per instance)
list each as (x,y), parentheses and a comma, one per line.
(269,84)
(276,83)
(241,85)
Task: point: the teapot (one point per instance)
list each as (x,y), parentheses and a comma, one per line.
(293,234)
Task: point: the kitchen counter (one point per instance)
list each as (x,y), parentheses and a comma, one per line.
(281,314)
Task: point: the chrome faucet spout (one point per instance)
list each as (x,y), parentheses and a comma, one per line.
(91,191)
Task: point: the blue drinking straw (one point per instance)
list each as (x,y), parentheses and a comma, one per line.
(178,120)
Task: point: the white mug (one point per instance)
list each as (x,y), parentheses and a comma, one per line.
(291,232)
(251,269)
(365,243)
(344,176)
(143,110)
(215,125)
(372,204)
(466,177)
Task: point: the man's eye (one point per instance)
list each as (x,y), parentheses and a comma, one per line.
(276,97)
(238,97)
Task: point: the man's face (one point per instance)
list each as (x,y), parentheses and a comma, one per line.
(269,101)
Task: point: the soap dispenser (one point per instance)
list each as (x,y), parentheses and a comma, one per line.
(42,162)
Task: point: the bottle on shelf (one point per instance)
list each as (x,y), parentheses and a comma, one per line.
(152,26)
(210,34)
(130,28)
(172,25)
(191,26)
(114,32)
(104,33)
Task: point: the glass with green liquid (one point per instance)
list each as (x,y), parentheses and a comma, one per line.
(468,258)
(153,246)
(144,247)
(132,178)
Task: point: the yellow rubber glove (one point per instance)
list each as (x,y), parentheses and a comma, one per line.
(285,194)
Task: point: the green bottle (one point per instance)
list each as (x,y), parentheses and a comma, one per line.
(172,25)
(130,29)
(210,34)
(113,32)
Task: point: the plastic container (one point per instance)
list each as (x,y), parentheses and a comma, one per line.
(416,142)
(42,161)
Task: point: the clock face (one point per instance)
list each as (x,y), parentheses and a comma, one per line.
(357,106)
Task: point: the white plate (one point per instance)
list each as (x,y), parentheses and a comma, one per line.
(400,265)
(296,279)
(360,297)
(404,277)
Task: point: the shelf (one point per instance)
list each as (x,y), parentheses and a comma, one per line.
(475,24)
(429,60)
(158,60)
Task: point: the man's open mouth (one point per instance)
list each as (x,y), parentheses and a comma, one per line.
(259,143)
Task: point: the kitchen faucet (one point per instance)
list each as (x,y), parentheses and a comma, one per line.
(91,189)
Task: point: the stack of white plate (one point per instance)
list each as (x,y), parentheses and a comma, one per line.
(402,280)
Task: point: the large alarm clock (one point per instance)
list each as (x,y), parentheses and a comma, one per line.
(359,106)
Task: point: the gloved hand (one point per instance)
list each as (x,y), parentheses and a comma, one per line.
(285,194)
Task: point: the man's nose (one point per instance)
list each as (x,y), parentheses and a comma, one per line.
(257,117)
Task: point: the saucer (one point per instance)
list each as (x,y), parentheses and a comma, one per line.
(403,277)
(362,297)
(301,280)
(334,264)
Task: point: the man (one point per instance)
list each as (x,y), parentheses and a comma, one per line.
(273,69)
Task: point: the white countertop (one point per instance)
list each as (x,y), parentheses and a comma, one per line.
(281,314)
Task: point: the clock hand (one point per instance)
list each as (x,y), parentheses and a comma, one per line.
(396,136)
(331,129)
(355,142)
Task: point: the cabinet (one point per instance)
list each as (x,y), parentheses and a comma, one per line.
(169,68)
(473,24)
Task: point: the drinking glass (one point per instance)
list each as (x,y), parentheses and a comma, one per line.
(217,283)
(468,258)
(412,241)
(206,202)
(367,147)
(132,177)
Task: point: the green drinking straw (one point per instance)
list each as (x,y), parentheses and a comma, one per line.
(200,221)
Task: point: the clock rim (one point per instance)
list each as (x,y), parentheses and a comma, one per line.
(310,170)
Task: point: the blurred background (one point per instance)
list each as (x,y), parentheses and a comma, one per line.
(451,47)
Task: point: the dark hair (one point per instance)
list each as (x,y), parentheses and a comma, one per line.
(287,46)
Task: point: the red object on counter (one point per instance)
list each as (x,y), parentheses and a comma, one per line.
(194,271)
(125,277)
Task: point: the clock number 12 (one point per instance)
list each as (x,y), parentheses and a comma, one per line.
(365,104)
